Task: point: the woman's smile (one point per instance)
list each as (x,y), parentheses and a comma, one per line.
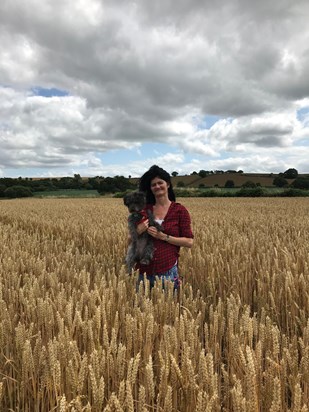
(158,185)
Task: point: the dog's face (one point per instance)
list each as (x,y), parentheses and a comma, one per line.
(135,201)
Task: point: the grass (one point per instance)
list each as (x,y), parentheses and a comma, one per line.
(63,193)
(231,192)
(180,191)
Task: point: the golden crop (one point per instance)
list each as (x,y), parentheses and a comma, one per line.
(76,336)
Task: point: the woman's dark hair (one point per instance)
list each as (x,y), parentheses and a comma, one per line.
(145,180)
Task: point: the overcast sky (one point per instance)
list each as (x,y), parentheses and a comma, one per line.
(107,87)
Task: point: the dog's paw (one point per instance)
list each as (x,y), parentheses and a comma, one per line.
(144,261)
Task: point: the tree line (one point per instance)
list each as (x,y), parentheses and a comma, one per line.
(299,182)
(26,187)
(282,180)
(205,173)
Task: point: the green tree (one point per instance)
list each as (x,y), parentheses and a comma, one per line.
(280,181)
(301,183)
(17,191)
(78,181)
(250,192)
(174,174)
(202,173)
(94,182)
(248,184)
(114,184)
(2,190)
(8,181)
(229,184)
(66,183)
(290,174)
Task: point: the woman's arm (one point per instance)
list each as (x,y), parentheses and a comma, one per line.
(173,240)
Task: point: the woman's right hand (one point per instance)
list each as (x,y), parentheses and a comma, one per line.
(142,227)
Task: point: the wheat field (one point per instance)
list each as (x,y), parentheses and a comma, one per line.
(76,336)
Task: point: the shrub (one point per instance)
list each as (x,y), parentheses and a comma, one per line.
(227,193)
(229,184)
(2,190)
(17,191)
(250,192)
(180,184)
(294,193)
(120,195)
(301,183)
(249,184)
(114,184)
(184,193)
(202,173)
(280,181)
(44,188)
(209,193)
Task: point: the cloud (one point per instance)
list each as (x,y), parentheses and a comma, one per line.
(169,161)
(139,72)
(267,130)
(37,130)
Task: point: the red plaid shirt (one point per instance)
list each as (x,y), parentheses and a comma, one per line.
(177,222)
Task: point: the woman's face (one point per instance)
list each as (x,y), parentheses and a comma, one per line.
(159,187)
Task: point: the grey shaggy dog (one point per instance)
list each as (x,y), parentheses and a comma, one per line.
(141,247)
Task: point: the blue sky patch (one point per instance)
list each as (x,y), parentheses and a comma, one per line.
(302,142)
(145,151)
(302,113)
(52,92)
(207,122)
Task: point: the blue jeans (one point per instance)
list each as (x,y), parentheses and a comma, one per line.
(171,275)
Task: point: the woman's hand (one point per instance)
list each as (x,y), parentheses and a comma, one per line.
(176,241)
(142,227)
(154,232)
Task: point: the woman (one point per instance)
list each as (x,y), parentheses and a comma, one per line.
(176,227)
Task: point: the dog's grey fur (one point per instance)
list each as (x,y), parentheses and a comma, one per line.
(141,247)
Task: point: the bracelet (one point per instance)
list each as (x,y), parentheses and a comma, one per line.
(167,238)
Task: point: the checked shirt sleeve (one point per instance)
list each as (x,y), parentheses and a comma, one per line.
(185,229)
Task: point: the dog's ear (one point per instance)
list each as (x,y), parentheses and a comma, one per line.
(141,196)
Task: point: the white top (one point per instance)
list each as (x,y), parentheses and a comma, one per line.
(160,221)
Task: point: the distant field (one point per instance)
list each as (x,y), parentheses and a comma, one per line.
(265,180)
(193,191)
(219,179)
(76,336)
(67,193)
(220,190)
